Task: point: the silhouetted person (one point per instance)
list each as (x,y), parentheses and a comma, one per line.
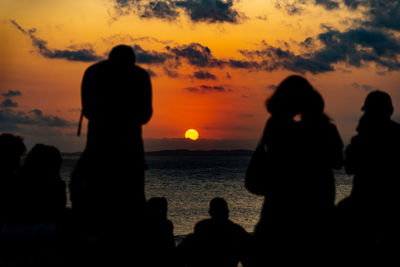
(31,233)
(371,212)
(299,191)
(159,241)
(11,150)
(44,193)
(216,241)
(108,181)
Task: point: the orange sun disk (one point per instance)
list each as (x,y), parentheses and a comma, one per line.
(192,134)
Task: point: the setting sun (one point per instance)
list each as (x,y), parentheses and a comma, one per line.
(192,134)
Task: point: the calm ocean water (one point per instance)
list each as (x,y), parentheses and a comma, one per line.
(190,182)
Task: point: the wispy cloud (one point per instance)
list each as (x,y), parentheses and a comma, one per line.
(68,54)
(11,119)
(202,89)
(12,93)
(209,11)
(8,103)
(204,75)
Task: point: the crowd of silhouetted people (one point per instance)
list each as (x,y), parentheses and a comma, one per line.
(111,222)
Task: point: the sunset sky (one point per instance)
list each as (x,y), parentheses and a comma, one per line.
(212,62)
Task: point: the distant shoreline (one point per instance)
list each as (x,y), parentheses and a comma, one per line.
(187,152)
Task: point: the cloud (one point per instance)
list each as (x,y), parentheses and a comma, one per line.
(262,17)
(151,73)
(209,11)
(366,87)
(377,13)
(354,47)
(328,4)
(308,43)
(149,57)
(272,86)
(274,58)
(171,73)
(204,75)
(202,89)
(384,14)
(11,93)
(243,64)
(159,9)
(360,45)
(196,54)
(12,119)
(353,4)
(8,103)
(85,54)
(291,7)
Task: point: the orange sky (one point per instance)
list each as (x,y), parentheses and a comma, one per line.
(226,105)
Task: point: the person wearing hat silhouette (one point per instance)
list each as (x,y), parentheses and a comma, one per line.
(373,158)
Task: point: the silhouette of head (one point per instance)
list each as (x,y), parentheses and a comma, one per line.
(157,207)
(289,97)
(11,150)
(378,104)
(122,55)
(313,106)
(219,209)
(43,160)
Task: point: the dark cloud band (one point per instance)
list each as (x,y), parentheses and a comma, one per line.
(203,89)
(12,93)
(209,11)
(85,55)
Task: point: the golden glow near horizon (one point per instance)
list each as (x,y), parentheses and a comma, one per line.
(221,87)
(192,134)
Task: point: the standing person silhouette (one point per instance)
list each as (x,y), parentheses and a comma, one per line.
(108,181)
(299,184)
(371,211)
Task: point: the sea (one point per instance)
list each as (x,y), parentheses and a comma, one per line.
(189,182)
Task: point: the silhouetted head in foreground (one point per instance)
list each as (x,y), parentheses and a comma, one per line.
(288,99)
(378,109)
(219,209)
(378,104)
(44,161)
(11,150)
(157,208)
(313,107)
(122,55)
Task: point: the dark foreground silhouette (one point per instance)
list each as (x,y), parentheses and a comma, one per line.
(112,224)
(159,243)
(369,216)
(33,230)
(216,241)
(107,185)
(292,168)
(11,150)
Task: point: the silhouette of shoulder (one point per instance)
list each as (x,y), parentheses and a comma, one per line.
(210,224)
